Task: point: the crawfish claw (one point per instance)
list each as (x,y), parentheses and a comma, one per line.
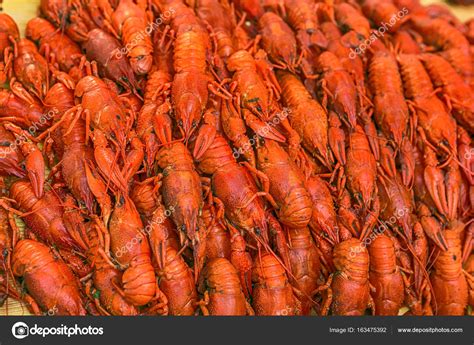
(204,140)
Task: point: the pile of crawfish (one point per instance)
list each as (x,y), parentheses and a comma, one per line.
(253,157)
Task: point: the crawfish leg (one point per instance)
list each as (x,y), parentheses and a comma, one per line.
(249,308)
(33,305)
(203,304)
(328,299)
(19,91)
(265,182)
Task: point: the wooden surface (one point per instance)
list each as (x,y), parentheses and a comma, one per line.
(13,307)
(24,10)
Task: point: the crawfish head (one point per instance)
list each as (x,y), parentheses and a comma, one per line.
(189,94)
(188,114)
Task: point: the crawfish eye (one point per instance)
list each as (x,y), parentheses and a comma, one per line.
(194,123)
(23,166)
(118,117)
(180,123)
